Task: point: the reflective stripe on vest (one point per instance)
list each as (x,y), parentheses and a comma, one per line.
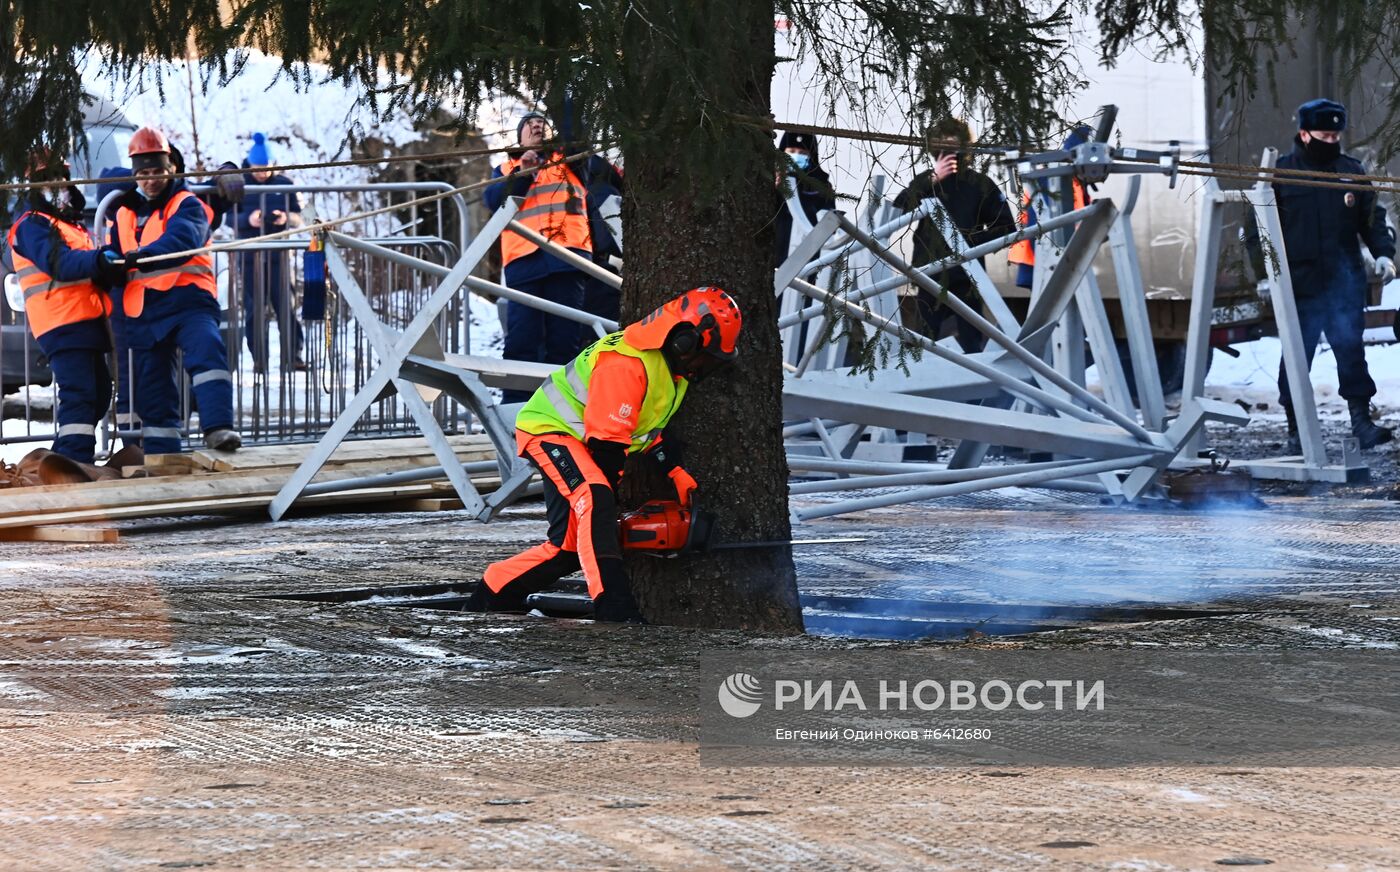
(49,303)
(555,207)
(557,407)
(198,271)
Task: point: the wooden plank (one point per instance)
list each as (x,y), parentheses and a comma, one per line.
(357,468)
(25,502)
(276,456)
(383,498)
(56,533)
(181,462)
(435,504)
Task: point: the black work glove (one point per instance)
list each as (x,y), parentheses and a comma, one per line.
(667,454)
(518,184)
(610,457)
(148,266)
(229,186)
(110,270)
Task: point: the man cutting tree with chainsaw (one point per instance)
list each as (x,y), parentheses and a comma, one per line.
(613,400)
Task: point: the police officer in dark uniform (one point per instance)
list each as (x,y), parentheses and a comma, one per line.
(1321,227)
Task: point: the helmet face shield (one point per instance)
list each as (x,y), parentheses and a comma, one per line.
(700,365)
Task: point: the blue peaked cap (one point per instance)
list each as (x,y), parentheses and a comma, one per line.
(1322,114)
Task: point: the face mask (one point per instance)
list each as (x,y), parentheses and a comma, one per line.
(801,161)
(68,200)
(1320,152)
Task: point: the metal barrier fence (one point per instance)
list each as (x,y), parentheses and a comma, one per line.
(293,372)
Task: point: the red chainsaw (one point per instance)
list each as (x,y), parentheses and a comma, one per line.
(660,528)
(665,528)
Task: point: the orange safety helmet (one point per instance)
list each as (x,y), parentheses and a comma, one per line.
(703,323)
(44,164)
(147,140)
(149,149)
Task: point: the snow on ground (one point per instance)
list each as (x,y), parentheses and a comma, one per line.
(1253,376)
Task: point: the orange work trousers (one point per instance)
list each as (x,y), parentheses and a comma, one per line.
(583,531)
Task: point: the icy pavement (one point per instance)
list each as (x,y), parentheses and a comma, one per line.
(157,711)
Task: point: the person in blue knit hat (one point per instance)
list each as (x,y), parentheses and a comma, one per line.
(263,275)
(1323,229)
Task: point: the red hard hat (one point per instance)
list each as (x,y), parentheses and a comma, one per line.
(42,162)
(712,312)
(148,140)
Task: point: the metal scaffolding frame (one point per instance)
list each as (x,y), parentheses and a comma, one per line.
(412,364)
(1313,465)
(1027,390)
(1101,444)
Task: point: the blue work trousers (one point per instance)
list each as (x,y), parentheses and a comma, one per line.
(84,392)
(535,336)
(263,275)
(156,385)
(1338,310)
(127,420)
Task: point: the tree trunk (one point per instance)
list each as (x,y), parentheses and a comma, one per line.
(687,224)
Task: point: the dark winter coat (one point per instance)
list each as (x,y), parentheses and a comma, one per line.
(268,203)
(604,181)
(977,208)
(815,194)
(1324,226)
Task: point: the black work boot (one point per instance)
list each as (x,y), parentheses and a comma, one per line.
(483,600)
(616,603)
(1367,432)
(1295,445)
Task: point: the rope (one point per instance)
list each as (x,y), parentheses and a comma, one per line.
(330,164)
(357,216)
(1302,178)
(1392,188)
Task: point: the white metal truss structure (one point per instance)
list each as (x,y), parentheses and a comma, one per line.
(413,364)
(1026,390)
(1102,444)
(1313,465)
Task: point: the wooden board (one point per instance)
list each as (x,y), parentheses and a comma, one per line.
(359,450)
(56,533)
(435,504)
(385,498)
(21,503)
(181,462)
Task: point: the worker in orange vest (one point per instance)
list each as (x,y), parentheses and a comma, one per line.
(172,304)
(613,400)
(1022,254)
(60,270)
(556,206)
